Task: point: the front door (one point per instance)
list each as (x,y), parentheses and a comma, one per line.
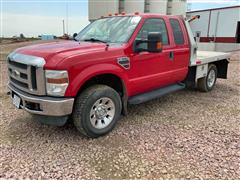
(150,71)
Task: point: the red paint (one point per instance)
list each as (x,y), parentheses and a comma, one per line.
(198,62)
(148,71)
(219,39)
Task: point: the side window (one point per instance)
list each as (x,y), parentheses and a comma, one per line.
(153,25)
(177,31)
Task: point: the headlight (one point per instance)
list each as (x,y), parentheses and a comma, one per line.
(56,82)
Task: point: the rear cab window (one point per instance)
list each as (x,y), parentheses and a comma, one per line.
(177,32)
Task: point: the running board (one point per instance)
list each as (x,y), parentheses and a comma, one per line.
(155,94)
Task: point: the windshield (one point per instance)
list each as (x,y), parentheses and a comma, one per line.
(110,30)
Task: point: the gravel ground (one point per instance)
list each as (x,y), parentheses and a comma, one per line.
(185,135)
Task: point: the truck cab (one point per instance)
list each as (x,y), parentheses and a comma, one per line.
(114,61)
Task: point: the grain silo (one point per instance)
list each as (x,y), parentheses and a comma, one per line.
(98,8)
(131,6)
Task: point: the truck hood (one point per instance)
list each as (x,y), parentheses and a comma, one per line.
(61,49)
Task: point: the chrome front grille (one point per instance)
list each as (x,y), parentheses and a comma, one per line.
(25,74)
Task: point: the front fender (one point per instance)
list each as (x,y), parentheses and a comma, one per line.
(92,71)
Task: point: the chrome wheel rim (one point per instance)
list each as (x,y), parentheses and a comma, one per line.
(102,113)
(211,78)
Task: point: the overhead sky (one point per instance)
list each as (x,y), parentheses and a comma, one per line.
(36,17)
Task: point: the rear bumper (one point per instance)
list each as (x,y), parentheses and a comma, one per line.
(47,106)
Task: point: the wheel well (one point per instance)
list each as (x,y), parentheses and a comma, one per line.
(110,80)
(222,68)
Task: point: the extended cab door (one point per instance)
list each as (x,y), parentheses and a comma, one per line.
(180,54)
(150,71)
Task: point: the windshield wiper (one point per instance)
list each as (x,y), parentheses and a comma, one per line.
(95,40)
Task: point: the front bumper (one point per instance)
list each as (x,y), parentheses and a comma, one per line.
(47,106)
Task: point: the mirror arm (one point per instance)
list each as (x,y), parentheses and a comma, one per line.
(138,50)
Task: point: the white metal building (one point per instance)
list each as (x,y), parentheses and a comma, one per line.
(98,8)
(220,25)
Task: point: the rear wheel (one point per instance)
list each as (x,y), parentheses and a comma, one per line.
(97,110)
(207,83)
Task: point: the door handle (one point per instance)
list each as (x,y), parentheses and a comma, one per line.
(171,55)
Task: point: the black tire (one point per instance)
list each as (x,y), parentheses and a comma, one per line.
(84,104)
(203,85)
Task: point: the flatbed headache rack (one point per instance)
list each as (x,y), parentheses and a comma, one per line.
(202,57)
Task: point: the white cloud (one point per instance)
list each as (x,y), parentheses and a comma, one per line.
(32,26)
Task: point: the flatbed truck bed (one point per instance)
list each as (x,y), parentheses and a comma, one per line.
(211,56)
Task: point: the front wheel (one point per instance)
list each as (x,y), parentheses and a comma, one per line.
(97,110)
(207,83)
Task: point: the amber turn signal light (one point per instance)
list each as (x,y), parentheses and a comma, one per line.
(159,45)
(57,81)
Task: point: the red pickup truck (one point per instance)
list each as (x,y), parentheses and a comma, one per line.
(115,61)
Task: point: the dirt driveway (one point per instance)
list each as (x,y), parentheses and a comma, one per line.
(188,135)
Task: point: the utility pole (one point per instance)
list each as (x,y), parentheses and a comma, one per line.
(67,18)
(63,26)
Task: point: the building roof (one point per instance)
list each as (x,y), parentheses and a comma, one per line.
(213,9)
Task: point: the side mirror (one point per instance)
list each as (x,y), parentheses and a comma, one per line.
(154,42)
(74,36)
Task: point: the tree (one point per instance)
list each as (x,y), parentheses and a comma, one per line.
(22,36)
